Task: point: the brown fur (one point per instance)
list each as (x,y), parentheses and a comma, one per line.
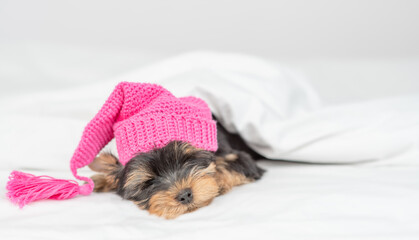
(105,163)
(188,148)
(228,179)
(206,184)
(231,157)
(204,189)
(104,183)
(136,177)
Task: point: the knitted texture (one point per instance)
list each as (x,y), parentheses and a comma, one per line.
(141,117)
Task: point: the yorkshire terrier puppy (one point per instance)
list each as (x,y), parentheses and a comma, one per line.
(178,178)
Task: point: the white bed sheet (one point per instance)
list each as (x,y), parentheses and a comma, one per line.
(375,200)
(292,201)
(277,112)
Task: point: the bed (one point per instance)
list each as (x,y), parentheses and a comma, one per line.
(328,181)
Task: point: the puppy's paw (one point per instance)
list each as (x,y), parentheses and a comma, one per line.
(104,183)
(109,169)
(104,163)
(235,169)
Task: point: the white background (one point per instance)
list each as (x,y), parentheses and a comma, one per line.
(350,50)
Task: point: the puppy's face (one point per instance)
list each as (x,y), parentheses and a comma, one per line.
(170,181)
(174,179)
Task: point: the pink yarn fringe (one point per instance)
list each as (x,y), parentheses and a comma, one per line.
(24,188)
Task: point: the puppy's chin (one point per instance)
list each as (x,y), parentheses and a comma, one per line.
(164,203)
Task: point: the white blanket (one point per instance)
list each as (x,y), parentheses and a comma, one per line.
(292,201)
(276,112)
(281,117)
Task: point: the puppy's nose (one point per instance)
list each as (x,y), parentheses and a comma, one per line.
(185,196)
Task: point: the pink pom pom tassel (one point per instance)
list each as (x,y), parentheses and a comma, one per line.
(24,188)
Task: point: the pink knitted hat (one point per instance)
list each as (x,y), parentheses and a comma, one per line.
(141,117)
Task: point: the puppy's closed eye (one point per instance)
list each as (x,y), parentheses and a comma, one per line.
(175,179)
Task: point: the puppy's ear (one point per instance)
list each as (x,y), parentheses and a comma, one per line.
(109,168)
(235,169)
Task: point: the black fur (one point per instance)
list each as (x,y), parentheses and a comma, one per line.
(165,166)
(160,168)
(233,143)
